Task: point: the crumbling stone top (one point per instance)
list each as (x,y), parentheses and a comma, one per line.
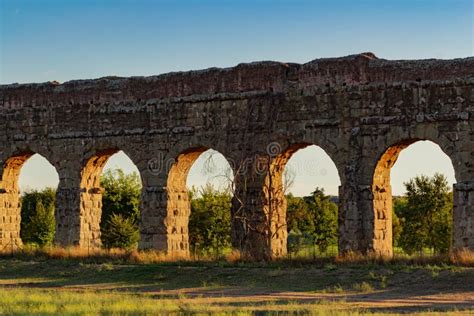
(266,76)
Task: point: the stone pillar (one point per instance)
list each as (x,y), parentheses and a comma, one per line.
(378,223)
(78,213)
(10,204)
(375,201)
(177,220)
(351,232)
(250,233)
(165,206)
(259,214)
(79,202)
(165,217)
(365,219)
(274,207)
(68,218)
(10,220)
(153,232)
(90,216)
(463,215)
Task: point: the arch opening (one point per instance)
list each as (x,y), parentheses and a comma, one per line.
(301,197)
(110,196)
(400,165)
(27,201)
(199,189)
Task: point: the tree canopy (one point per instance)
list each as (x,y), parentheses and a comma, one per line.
(38,224)
(120,209)
(425,215)
(312,217)
(210,220)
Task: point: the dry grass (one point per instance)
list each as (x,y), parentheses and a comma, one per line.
(96,254)
(463,257)
(459,258)
(234,256)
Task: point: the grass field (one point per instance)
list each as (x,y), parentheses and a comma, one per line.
(89,286)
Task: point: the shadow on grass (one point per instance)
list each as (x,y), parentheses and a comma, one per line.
(306,283)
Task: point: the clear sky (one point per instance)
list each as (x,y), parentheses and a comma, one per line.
(63,40)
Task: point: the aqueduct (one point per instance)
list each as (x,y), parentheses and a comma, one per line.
(360,109)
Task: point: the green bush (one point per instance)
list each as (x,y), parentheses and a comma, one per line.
(295,242)
(315,217)
(120,232)
(210,220)
(120,209)
(121,195)
(38,224)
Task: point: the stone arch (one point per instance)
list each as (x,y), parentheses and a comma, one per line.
(91,192)
(10,201)
(274,203)
(382,242)
(400,138)
(178,206)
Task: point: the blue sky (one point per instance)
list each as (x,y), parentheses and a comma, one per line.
(61,40)
(70,39)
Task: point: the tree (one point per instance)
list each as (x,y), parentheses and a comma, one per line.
(427,215)
(37,213)
(324,213)
(120,232)
(120,209)
(397,223)
(298,217)
(312,218)
(121,195)
(300,223)
(210,220)
(295,242)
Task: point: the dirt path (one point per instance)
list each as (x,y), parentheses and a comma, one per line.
(383,301)
(388,288)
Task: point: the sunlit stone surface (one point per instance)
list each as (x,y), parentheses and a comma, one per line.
(360,109)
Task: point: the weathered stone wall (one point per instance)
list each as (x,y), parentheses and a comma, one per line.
(361,110)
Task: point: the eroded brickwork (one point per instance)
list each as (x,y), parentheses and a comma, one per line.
(360,109)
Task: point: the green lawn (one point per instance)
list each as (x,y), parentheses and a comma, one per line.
(79,287)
